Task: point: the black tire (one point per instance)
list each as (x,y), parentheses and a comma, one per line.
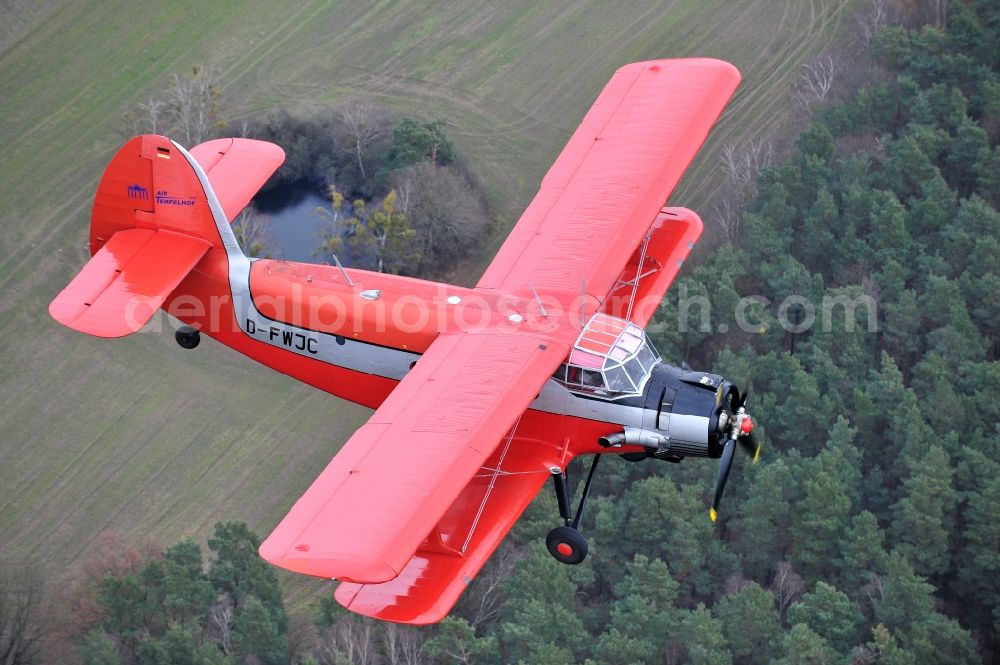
(187,337)
(567,545)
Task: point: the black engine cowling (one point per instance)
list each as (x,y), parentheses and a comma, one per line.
(689,409)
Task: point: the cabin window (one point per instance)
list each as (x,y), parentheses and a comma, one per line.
(592,379)
(618,380)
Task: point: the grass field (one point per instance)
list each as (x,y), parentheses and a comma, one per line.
(134,435)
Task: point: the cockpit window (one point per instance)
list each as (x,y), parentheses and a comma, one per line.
(611,357)
(619,380)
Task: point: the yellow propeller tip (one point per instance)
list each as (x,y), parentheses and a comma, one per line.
(712,514)
(756,454)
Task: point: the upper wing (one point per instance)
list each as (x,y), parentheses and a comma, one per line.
(237,168)
(608,185)
(376,502)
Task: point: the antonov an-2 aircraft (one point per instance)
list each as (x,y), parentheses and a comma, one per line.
(481,394)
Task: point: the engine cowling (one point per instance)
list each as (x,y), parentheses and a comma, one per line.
(686,414)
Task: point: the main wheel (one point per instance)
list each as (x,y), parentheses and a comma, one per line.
(187,337)
(567,545)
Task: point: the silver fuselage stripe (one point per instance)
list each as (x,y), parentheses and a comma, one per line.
(333,349)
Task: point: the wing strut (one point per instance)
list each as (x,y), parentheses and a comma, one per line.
(489,489)
(638,272)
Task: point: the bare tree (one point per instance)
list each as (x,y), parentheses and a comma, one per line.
(933,11)
(190,108)
(391,644)
(875,588)
(484,602)
(347,640)
(787,587)
(20,617)
(154,114)
(361,125)
(402,645)
(221,625)
(816,81)
(447,213)
(412,643)
(734,584)
(194,102)
(253,233)
(728,212)
(741,167)
(301,637)
(244,131)
(78,609)
(406,193)
(871,20)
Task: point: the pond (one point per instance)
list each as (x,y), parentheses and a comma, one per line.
(295,226)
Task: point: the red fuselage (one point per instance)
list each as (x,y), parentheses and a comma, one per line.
(357,341)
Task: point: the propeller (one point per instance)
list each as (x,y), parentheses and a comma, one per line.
(741,432)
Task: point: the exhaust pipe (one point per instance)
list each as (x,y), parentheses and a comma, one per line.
(633,436)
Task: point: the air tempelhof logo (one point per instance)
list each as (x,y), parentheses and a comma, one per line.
(163,197)
(138,192)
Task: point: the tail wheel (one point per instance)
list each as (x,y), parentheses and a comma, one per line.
(567,545)
(187,337)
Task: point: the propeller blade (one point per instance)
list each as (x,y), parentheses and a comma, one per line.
(725,463)
(751,447)
(752,443)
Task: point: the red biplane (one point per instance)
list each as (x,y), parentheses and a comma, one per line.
(481,394)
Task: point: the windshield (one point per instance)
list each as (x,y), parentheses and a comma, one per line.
(610,357)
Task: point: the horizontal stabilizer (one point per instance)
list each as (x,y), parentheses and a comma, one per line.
(237,169)
(126,281)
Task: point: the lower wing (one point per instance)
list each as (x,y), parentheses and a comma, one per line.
(458,547)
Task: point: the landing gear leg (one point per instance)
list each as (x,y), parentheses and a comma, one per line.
(187,337)
(565,542)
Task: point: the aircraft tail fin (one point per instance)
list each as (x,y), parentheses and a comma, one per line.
(155,216)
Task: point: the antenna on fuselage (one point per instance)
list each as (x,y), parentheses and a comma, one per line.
(343,272)
(541,305)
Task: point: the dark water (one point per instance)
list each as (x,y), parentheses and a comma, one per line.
(295,225)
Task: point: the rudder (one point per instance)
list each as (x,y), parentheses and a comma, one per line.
(150,184)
